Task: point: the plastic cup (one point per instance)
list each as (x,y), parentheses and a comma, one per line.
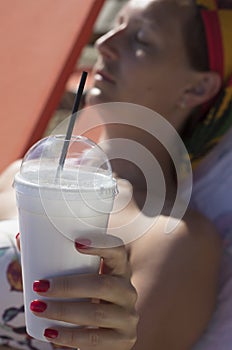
(57,208)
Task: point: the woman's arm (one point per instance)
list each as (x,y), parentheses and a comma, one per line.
(176,278)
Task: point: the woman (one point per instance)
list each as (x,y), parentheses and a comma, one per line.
(160,289)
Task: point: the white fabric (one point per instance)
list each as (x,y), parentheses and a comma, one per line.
(212,196)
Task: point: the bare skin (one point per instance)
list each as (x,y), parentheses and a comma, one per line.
(176,281)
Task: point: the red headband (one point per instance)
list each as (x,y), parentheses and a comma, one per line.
(217,19)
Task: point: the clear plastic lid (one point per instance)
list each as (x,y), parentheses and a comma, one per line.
(86,166)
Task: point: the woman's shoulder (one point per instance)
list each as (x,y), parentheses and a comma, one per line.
(192,240)
(176,276)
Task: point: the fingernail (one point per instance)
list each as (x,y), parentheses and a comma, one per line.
(17,236)
(41,286)
(50,333)
(83,244)
(38,306)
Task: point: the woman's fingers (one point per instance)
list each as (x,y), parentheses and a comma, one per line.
(109,323)
(104,315)
(113,285)
(88,339)
(105,287)
(111,249)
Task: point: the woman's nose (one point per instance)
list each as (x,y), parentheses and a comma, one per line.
(108,44)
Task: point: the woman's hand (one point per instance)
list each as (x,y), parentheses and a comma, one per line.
(106,306)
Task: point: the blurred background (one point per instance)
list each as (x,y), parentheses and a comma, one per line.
(45,46)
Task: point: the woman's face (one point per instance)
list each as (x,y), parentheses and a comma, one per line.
(142,60)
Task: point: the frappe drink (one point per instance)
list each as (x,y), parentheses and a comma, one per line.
(57,208)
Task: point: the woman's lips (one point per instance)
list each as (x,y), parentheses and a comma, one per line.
(103,76)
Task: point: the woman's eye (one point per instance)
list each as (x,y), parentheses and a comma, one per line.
(140,38)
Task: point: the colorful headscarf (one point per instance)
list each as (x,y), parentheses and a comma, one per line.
(217,20)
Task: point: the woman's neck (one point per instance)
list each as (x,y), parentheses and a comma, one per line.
(146,166)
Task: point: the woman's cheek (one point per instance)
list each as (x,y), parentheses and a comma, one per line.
(140,53)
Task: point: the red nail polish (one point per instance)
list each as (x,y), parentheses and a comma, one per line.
(17,236)
(38,306)
(50,333)
(83,244)
(41,286)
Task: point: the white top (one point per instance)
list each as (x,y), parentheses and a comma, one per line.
(212,196)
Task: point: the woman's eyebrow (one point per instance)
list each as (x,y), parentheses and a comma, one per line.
(151,23)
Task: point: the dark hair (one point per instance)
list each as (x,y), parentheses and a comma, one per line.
(194,35)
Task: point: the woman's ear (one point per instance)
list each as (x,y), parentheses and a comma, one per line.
(205,87)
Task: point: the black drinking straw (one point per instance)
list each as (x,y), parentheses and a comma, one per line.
(71,123)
